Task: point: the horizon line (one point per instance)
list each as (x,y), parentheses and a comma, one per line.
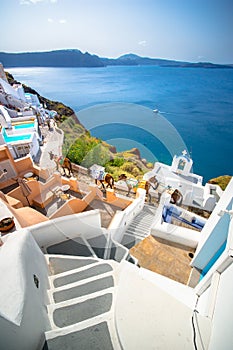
(128,53)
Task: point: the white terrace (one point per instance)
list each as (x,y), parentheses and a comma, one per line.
(88,302)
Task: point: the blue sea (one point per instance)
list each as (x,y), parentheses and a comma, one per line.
(116,103)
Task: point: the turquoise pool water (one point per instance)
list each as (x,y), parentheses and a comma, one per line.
(24,126)
(13,138)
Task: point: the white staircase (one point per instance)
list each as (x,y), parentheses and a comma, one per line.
(100,247)
(140,227)
(81,299)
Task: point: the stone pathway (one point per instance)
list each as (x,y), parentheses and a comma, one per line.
(53,141)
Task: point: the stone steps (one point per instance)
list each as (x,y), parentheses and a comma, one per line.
(59,264)
(81,305)
(82,290)
(79,274)
(99,247)
(79,309)
(96,335)
(77,247)
(140,227)
(130,240)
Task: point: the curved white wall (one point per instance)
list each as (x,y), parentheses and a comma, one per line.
(23,316)
(222,335)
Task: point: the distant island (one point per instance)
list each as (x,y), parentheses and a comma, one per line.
(75,58)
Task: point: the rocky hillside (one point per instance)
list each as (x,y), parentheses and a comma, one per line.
(83,149)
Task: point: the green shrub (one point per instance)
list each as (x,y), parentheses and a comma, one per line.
(80,148)
(135,172)
(116,162)
(128,167)
(97,155)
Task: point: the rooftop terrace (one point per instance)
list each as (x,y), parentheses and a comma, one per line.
(164,257)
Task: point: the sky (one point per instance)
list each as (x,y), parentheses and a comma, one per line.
(186,30)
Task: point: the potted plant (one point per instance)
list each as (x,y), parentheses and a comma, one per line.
(6,224)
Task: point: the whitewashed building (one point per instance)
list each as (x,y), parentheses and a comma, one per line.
(88,302)
(18,119)
(179,176)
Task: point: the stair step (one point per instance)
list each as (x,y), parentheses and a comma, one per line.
(143,221)
(149,210)
(150,207)
(98,245)
(66,315)
(137,230)
(151,215)
(137,237)
(137,234)
(130,240)
(76,246)
(83,289)
(81,275)
(140,224)
(144,217)
(94,337)
(59,265)
(143,214)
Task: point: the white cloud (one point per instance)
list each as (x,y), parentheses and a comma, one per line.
(142,43)
(61,21)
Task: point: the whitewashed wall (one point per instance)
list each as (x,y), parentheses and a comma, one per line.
(23,316)
(87,224)
(122,219)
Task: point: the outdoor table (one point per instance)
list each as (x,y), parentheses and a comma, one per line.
(65,188)
(27,175)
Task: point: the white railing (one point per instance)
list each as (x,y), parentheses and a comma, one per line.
(122,219)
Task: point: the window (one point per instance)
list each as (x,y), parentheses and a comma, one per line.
(181,164)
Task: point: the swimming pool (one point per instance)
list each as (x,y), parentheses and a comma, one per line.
(24,126)
(20,136)
(13,138)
